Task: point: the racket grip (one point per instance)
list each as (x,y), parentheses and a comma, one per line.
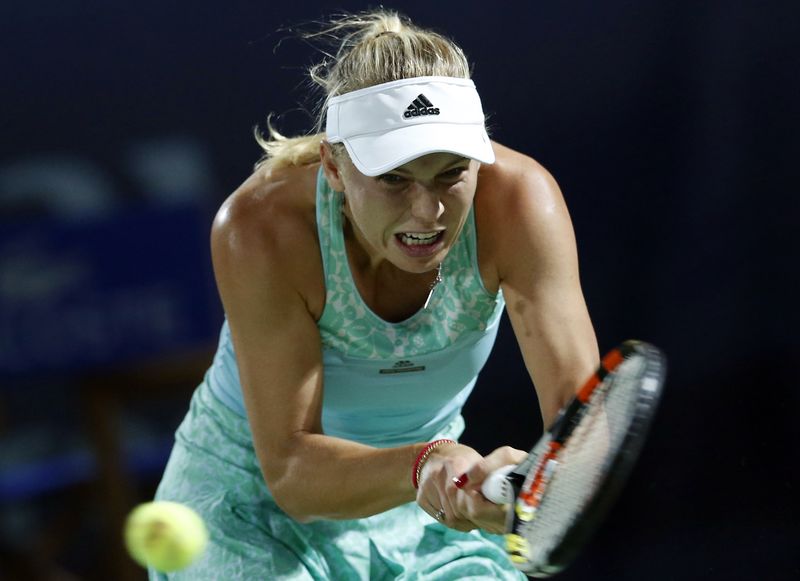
(497,488)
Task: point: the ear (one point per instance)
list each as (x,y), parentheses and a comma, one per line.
(329,165)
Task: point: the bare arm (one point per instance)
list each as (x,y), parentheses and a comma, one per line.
(537,266)
(259,266)
(527,248)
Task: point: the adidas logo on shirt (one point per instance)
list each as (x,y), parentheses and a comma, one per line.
(403,366)
(420,106)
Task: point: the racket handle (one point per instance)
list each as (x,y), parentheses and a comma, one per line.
(497,488)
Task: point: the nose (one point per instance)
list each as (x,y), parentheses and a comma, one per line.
(426,205)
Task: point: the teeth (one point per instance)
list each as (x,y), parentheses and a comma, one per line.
(418,238)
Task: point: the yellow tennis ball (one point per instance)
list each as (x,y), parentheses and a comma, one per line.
(164,535)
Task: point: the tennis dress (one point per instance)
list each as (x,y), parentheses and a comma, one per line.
(385,384)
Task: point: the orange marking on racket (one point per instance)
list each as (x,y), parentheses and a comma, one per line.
(533,495)
(588,388)
(612,359)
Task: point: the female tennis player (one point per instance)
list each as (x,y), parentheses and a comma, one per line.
(363,270)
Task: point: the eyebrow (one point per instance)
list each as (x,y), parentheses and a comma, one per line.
(444,168)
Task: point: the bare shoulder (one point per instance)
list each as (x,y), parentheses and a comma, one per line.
(518,207)
(268,226)
(270,208)
(515,180)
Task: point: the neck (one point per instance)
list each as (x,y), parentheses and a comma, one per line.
(391,292)
(363,257)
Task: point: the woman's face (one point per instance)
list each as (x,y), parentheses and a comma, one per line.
(411,215)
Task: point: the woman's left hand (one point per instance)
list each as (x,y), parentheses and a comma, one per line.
(450,483)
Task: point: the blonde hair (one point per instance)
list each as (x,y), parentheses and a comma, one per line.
(373,48)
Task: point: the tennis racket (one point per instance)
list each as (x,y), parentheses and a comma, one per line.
(559,494)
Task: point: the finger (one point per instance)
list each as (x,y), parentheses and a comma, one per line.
(454,508)
(433,511)
(449,516)
(483,514)
(477,473)
(450,504)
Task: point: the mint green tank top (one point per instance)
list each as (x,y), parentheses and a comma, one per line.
(388,384)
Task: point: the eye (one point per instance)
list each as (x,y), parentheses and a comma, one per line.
(391,179)
(453,173)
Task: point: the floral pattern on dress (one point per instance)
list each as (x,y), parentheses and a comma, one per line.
(459,304)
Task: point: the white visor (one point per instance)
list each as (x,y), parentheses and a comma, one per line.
(384,126)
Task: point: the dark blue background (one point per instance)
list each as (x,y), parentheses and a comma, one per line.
(673,129)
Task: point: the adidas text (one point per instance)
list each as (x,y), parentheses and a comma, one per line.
(420,106)
(424,111)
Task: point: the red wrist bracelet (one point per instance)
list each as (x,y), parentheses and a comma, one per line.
(422,457)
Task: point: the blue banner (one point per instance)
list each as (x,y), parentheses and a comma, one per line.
(77,295)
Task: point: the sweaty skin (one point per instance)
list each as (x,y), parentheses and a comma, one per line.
(526,247)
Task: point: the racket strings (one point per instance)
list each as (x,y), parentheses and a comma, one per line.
(584,459)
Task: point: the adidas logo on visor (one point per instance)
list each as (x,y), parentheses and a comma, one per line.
(420,106)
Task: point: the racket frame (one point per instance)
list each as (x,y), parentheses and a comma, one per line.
(529,480)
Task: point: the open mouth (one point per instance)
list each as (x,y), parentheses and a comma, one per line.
(420,244)
(419,238)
